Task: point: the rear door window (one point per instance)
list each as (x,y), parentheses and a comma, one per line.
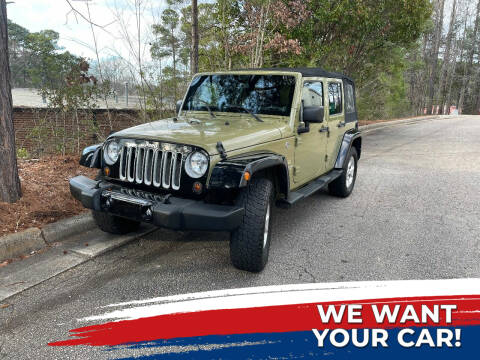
(349,99)
(335,98)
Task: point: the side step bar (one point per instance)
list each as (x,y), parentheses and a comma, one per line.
(309,189)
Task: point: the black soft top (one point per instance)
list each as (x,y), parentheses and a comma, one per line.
(309,72)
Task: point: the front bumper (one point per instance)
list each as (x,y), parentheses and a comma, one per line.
(163,211)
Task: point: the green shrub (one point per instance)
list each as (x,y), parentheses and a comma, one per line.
(22,153)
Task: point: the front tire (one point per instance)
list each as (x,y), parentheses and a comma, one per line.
(114,224)
(343,186)
(250,242)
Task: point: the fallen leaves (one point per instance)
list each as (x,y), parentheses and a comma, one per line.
(5,263)
(46,194)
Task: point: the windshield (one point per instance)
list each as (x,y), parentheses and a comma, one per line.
(257,94)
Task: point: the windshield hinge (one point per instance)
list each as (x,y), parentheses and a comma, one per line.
(221,150)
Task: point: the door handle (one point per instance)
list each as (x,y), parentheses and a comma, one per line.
(342,124)
(324,129)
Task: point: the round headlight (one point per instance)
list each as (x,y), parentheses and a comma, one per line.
(196,164)
(111,152)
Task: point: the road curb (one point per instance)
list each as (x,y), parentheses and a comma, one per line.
(21,243)
(33,239)
(385,124)
(60,257)
(59,230)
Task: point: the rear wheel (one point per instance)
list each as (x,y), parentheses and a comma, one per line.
(250,242)
(343,186)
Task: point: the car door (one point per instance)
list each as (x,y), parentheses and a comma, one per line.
(311,145)
(335,121)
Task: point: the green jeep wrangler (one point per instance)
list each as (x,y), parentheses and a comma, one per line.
(242,142)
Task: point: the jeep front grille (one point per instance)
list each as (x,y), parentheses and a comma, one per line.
(152,164)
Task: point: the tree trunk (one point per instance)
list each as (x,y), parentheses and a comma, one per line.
(174,58)
(466,76)
(447,96)
(446,58)
(195,38)
(10,190)
(434,56)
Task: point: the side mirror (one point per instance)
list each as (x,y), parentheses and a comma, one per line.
(303,128)
(179,105)
(91,156)
(313,114)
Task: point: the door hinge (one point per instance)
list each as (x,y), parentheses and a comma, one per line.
(326,158)
(295,171)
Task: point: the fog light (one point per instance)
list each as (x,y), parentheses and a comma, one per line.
(106,171)
(197,187)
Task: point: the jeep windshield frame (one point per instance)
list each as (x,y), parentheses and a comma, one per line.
(259,94)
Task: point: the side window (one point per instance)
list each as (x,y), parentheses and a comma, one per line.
(334,98)
(349,99)
(312,94)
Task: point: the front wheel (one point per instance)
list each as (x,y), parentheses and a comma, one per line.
(114,224)
(250,242)
(343,186)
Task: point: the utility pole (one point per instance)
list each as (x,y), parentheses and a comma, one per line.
(195,39)
(10,190)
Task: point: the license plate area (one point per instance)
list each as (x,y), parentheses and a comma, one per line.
(126,206)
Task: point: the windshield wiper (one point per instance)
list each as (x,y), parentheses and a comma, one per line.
(212,115)
(240,107)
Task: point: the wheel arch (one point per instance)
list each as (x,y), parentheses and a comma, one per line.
(350,138)
(91,156)
(230,173)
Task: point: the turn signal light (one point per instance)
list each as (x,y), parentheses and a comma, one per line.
(247,176)
(106,171)
(197,187)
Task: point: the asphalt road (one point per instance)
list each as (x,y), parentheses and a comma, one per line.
(414,214)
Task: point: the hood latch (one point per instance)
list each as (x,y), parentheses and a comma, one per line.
(221,150)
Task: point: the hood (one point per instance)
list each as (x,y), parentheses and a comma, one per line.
(205,133)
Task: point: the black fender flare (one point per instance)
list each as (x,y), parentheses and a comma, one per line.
(229,173)
(91,156)
(351,138)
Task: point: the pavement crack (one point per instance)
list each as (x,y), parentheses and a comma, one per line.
(310,274)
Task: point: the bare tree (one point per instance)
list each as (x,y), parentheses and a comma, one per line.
(10,190)
(446,57)
(195,39)
(469,64)
(434,55)
(100,72)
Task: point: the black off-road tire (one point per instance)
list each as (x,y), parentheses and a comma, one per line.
(339,186)
(248,246)
(113,224)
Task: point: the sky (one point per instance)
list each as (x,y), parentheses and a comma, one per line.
(75,32)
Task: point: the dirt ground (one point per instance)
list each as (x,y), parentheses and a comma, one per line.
(46,194)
